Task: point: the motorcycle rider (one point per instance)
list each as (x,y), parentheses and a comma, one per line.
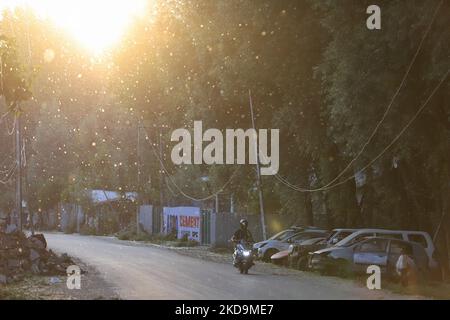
(241,234)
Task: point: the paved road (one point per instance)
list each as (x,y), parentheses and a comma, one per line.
(144,272)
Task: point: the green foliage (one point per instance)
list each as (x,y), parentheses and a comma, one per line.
(171,240)
(87,230)
(13,85)
(316,73)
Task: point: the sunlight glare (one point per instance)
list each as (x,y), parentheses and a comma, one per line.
(96,24)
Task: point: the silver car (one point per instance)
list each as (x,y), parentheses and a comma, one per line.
(355,257)
(282,241)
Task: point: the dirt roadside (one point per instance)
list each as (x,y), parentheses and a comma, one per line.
(93,287)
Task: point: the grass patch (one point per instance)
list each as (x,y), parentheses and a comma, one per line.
(436,290)
(430,289)
(23,289)
(8,293)
(339,268)
(86,230)
(167,240)
(222,250)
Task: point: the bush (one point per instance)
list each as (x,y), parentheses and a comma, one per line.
(70,229)
(87,230)
(340,267)
(184,243)
(129,233)
(142,237)
(222,249)
(124,235)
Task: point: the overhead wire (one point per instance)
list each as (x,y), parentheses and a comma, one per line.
(10,174)
(386,112)
(396,138)
(180,190)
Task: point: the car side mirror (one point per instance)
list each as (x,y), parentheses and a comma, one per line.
(334,241)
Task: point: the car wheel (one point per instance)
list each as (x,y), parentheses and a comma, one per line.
(292,263)
(302,263)
(269,253)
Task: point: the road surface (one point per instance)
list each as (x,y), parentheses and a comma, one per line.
(139,271)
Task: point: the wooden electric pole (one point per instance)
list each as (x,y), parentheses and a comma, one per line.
(19,170)
(138,164)
(161,180)
(258,175)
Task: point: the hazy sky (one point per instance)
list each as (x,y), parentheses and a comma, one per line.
(97,24)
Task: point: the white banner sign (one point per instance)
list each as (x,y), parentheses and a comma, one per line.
(182,221)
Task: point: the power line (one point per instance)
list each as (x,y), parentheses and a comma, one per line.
(397,137)
(13,129)
(11,175)
(377,127)
(392,100)
(4,115)
(177,187)
(7,170)
(6,159)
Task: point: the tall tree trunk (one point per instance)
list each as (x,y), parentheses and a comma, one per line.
(309,216)
(328,213)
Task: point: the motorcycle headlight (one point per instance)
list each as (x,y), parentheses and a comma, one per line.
(246,253)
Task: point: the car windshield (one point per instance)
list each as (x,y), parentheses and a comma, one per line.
(305,235)
(337,236)
(313,241)
(332,235)
(283,235)
(353,241)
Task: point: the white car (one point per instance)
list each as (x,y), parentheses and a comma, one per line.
(281,241)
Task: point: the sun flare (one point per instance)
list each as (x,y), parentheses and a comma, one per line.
(96,24)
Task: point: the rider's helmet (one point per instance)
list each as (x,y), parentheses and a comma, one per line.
(243,223)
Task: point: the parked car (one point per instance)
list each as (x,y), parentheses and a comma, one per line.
(355,257)
(420,237)
(338,235)
(266,249)
(284,257)
(280,236)
(299,252)
(280,258)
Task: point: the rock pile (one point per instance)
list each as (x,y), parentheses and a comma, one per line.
(20,255)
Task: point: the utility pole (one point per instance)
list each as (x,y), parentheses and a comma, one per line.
(258,175)
(138,163)
(19,169)
(161,181)
(30,215)
(217,203)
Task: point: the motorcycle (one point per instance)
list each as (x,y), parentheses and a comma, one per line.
(243,257)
